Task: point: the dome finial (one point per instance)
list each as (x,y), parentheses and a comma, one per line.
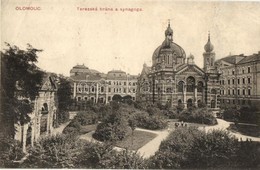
(169,23)
(209,47)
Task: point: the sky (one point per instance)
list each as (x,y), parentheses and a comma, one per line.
(107,40)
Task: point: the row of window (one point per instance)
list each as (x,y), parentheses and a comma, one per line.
(243,81)
(121,90)
(190,85)
(240,71)
(119,83)
(236,92)
(89,89)
(102,89)
(229,101)
(100,100)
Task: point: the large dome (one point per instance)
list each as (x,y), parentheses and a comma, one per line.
(169,53)
(174,49)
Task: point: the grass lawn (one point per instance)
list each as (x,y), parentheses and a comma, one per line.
(140,138)
(87,128)
(245,129)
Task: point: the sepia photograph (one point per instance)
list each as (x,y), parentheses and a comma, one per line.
(135,84)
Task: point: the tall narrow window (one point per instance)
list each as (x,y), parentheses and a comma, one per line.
(180,86)
(249,92)
(248,70)
(248,80)
(200,86)
(190,84)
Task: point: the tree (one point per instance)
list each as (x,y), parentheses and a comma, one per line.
(19,77)
(114,127)
(59,151)
(64,100)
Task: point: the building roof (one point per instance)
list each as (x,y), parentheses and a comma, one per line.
(251,58)
(234,59)
(82,69)
(240,59)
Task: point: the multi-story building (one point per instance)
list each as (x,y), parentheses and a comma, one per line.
(233,80)
(173,80)
(240,80)
(102,88)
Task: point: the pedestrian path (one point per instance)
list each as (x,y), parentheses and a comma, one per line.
(147,150)
(223,125)
(151,147)
(59,129)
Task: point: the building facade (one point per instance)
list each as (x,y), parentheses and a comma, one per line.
(175,79)
(240,80)
(103,88)
(43,115)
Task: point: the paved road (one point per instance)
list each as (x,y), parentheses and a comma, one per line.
(223,125)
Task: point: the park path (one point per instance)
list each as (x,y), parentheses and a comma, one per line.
(59,129)
(147,150)
(88,137)
(223,125)
(151,147)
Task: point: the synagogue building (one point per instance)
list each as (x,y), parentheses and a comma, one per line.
(175,79)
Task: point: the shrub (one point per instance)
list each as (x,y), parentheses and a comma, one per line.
(10,150)
(191,148)
(231,114)
(86,118)
(58,151)
(102,156)
(200,115)
(215,149)
(114,127)
(173,151)
(248,114)
(143,120)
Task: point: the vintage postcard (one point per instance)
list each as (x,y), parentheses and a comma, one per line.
(140,84)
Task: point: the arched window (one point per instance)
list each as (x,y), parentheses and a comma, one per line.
(86,88)
(212,103)
(190,84)
(200,86)
(102,89)
(80,88)
(180,86)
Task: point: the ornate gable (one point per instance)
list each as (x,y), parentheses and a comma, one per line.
(48,84)
(191,69)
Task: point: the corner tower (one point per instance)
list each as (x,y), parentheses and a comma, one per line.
(209,56)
